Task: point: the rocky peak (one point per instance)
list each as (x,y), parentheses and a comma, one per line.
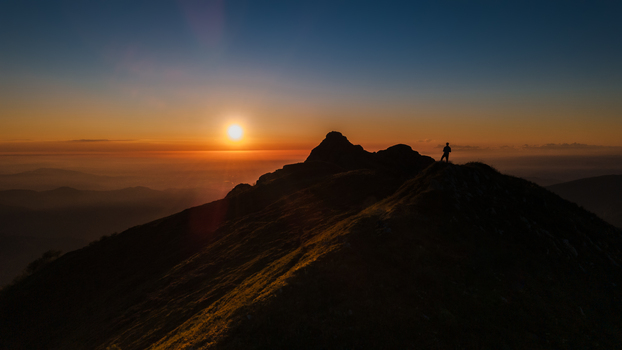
(337,149)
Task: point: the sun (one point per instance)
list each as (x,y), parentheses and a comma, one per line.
(235,132)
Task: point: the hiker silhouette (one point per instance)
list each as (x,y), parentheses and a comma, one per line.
(446,151)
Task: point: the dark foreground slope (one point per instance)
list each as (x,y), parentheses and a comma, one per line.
(601,195)
(389,251)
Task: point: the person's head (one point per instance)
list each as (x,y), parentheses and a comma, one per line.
(447,143)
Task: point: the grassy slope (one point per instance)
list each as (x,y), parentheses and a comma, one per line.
(445,276)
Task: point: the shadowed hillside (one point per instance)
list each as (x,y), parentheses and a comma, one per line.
(601,195)
(65,219)
(349,249)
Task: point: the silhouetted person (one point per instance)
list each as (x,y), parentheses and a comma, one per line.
(446,151)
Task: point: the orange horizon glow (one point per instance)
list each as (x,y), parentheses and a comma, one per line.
(245,147)
(288,88)
(306,133)
(278,123)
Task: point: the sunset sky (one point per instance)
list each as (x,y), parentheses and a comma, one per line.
(173,75)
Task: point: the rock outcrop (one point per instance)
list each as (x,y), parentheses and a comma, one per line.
(337,150)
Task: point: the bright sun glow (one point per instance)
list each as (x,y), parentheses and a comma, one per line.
(235,132)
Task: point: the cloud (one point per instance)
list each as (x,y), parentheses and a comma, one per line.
(425,141)
(90,140)
(560,147)
(563,146)
(98,140)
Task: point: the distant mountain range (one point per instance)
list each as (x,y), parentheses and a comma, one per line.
(601,195)
(50,178)
(32,222)
(350,249)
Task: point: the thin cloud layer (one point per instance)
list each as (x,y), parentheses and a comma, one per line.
(90,140)
(99,140)
(565,146)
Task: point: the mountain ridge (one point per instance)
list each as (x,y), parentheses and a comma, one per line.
(332,254)
(601,195)
(43,179)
